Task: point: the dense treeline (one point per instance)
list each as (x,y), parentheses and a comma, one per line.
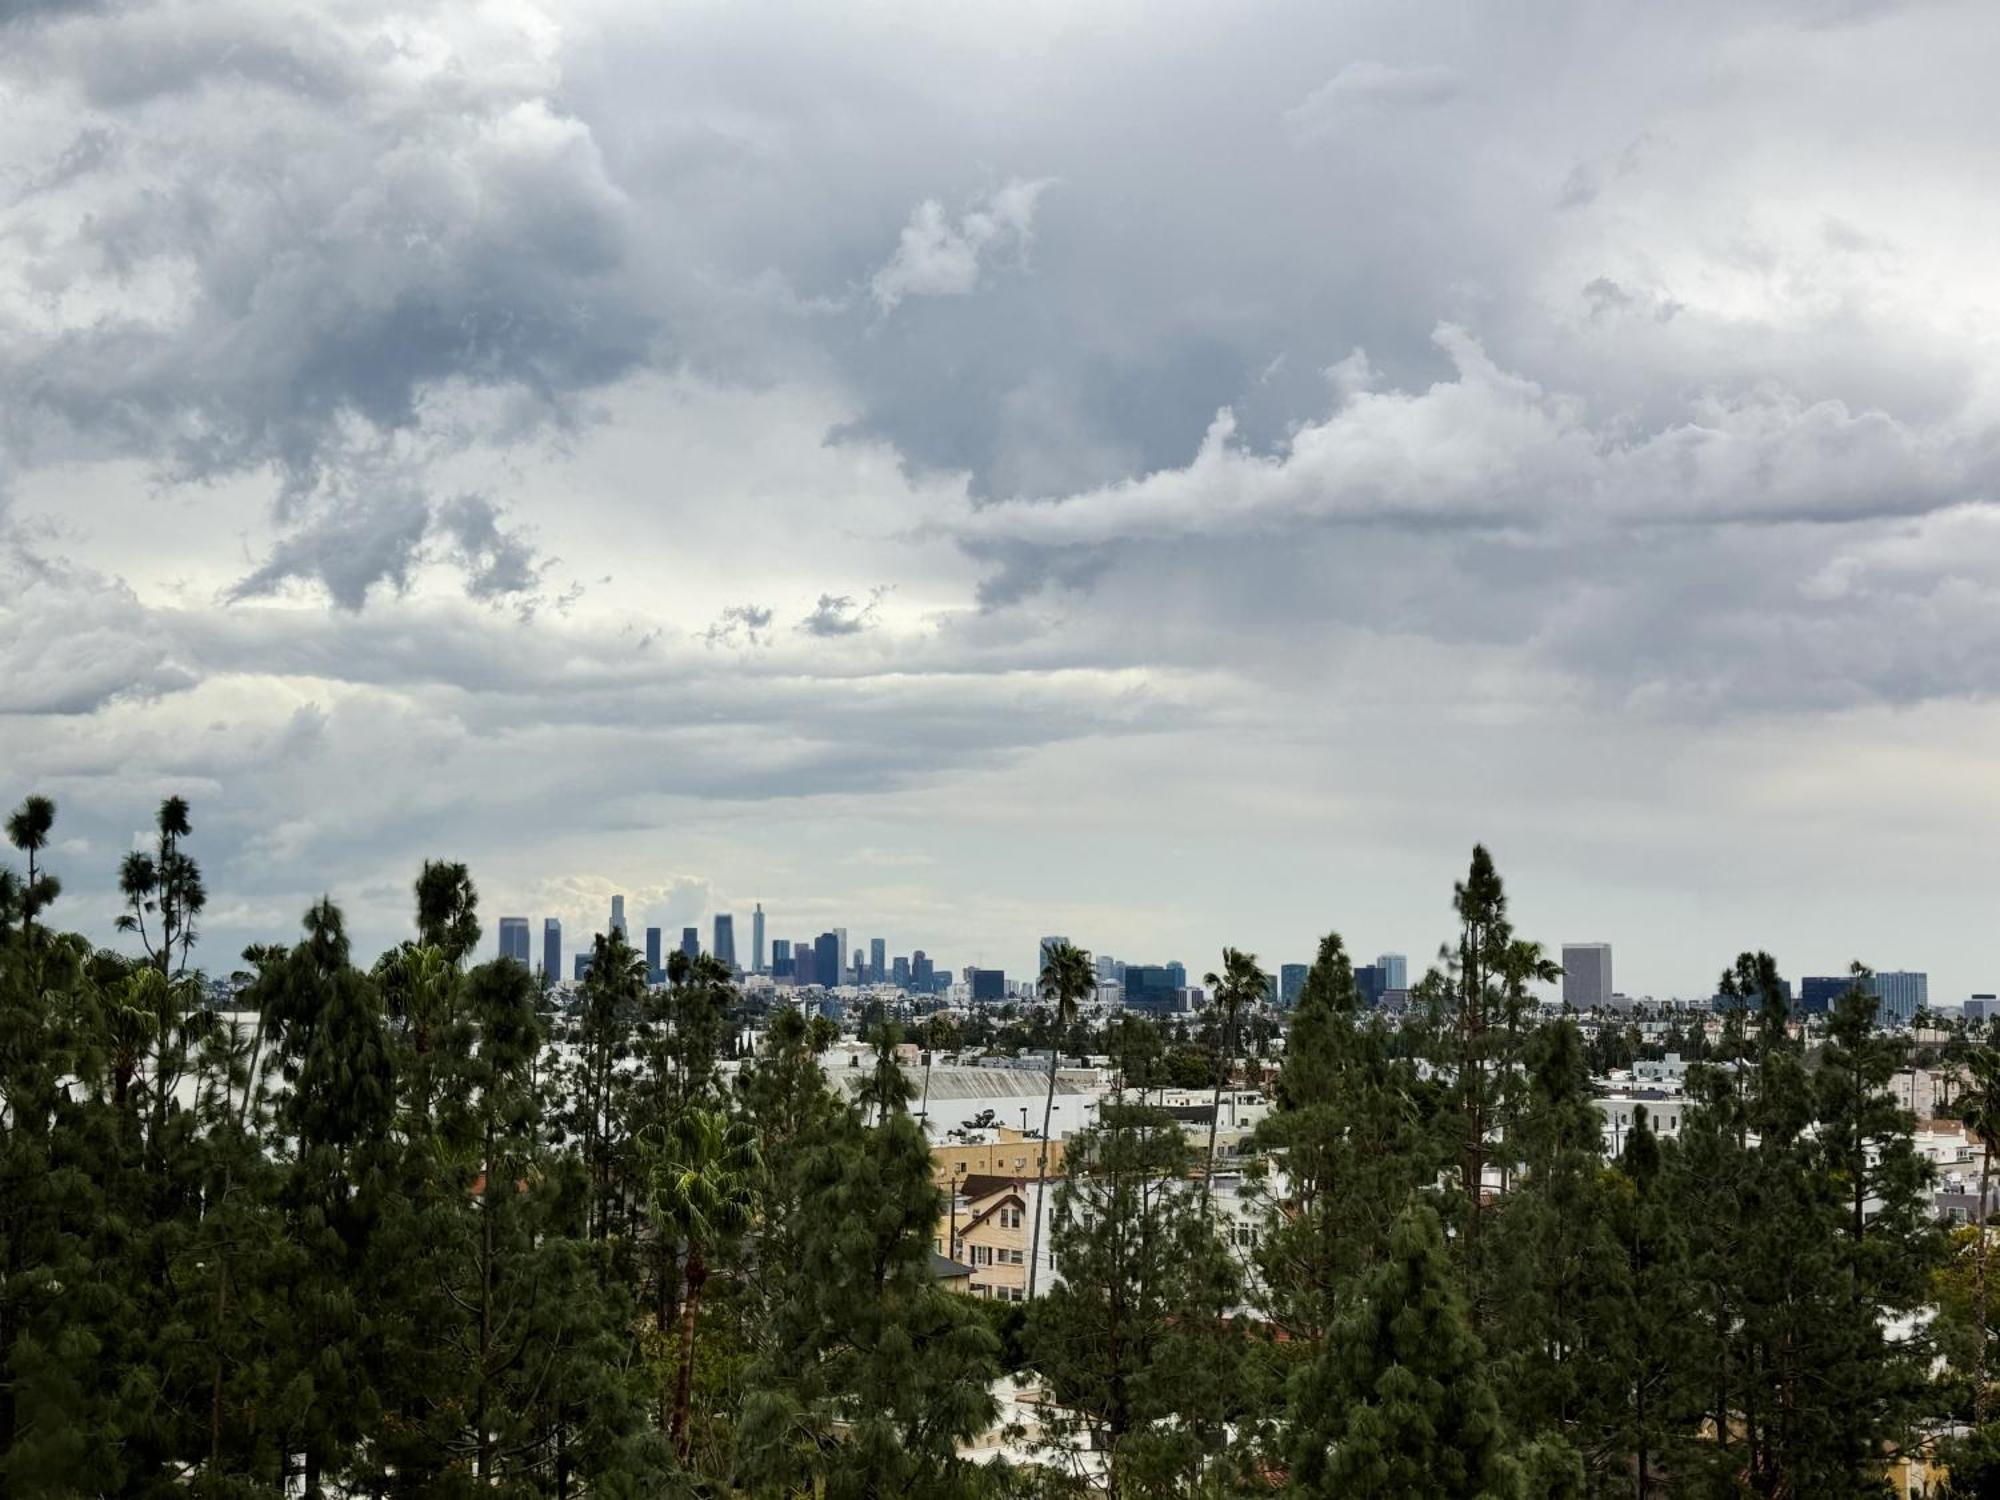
(403,1229)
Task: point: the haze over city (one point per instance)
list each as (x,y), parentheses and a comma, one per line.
(1171,475)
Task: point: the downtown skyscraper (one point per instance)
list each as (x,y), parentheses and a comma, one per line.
(1586,975)
(725,939)
(551,951)
(757,939)
(514,939)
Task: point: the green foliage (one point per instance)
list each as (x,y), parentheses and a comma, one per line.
(1399,1401)
(410,1230)
(1355,1146)
(1135,1342)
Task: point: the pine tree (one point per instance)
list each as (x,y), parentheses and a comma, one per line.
(1399,1402)
(1559,1280)
(869,1376)
(324,1018)
(1480,900)
(1133,1340)
(1660,1384)
(1978,1107)
(1353,1143)
(596,1084)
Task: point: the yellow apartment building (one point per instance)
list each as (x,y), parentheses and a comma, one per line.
(1009,1154)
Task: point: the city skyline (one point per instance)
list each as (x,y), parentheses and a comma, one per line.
(1395,970)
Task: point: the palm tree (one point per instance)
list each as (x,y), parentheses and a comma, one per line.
(1240,986)
(1978,1106)
(166,883)
(703,1187)
(1523,963)
(1068,979)
(28,829)
(940,1034)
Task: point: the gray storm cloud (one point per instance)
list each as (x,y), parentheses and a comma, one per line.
(353,357)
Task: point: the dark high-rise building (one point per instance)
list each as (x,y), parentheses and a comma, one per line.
(757,939)
(899,973)
(1291,984)
(618,915)
(551,951)
(655,973)
(923,974)
(878,961)
(1820,993)
(827,959)
(1177,971)
(691,943)
(582,967)
(1370,980)
(725,939)
(1152,987)
(989,985)
(804,971)
(514,939)
(781,958)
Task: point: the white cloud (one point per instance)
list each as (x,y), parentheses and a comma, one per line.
(1369,84)
(1493,448)
(939,257)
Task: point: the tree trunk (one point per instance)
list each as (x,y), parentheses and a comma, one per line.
(486,1309)
(215,1390)
(1214,1116)
(1639,1410)
(1979,1399)
(697,1274)
(1041,1179)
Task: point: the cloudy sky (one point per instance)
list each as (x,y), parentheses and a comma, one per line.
(1171,474)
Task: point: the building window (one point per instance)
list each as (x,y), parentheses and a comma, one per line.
(1010,1218)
